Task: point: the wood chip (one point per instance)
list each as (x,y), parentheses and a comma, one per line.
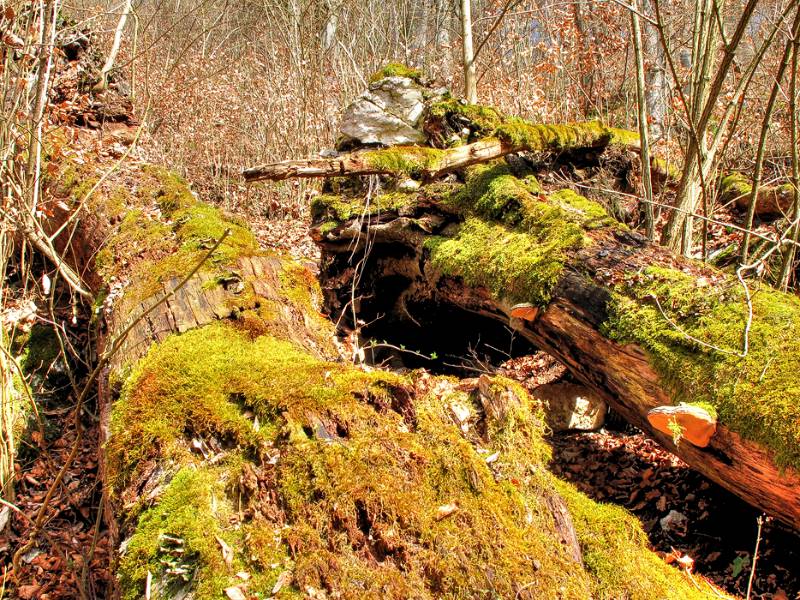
(445,511)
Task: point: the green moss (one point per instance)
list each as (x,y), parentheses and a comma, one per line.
(521,133)
(136,235)
(40,350)
(359,491)
(396,69)
(342,208)
(514,241)
(483,120)
(612,542)
(513,265)
(200,226)
(589,214)
(491,191)
(668,169)
(172,192)
(624,137)
(180,533)
(409,161)
(754,395)
(735,186)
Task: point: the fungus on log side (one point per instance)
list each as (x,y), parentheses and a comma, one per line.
(237,445)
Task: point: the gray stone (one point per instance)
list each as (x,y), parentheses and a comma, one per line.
(408,185)
(569,406)
(388,113)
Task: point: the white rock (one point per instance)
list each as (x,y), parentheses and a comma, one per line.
(408,185)
(569,406)
(388,113)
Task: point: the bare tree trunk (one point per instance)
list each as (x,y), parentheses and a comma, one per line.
(699,162)
(788,258)
(657,89)
(444,53)
(331,25)
(762,143)
(468,54)
(112,55)
(586,66)
(647,184)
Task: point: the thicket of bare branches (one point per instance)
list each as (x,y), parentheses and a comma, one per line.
(235,83)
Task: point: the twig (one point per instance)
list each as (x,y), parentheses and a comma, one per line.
(760,522)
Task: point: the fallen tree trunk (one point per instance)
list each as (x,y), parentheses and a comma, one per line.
(243,459)
(641,326)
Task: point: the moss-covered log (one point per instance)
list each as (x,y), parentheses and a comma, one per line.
(506,135)
(640,325)
(241,456)
(773,200)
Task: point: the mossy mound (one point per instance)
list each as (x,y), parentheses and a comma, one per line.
(161,230)
(515,239)
(315,474)
(755,395)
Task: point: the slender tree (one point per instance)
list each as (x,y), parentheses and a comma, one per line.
(468,53)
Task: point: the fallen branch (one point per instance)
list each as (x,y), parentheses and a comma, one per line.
(432,163)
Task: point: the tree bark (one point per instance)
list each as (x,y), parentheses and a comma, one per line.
(657,89)
(467,54)
(644,129)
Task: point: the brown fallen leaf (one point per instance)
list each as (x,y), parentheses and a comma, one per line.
(28,592)
(284,579)
(227,553)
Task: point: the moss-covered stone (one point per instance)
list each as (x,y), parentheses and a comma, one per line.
(753,395)
(735,185)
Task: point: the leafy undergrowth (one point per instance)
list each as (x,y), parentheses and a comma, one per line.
(719,530)
(72,556)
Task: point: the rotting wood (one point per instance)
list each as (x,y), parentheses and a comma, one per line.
(569,328)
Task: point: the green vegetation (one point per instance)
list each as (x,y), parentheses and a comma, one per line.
(395,69)
(514,240)
(162,230)
(483,120)
(753,395)
(735,186)
(342,208)
(487,122)
(367,503)
(411,161)
(611,539)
